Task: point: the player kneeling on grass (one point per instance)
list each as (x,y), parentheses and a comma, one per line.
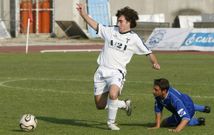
(121,43)
(181,106)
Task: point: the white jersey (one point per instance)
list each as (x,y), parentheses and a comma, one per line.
(119,47)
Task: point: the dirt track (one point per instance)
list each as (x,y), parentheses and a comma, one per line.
(39,48)
(35,48)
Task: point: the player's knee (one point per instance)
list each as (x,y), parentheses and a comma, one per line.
(100,106)
(114,92)
(114,97)
(164,123)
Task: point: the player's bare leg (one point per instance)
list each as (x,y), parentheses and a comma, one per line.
(101,100)
(110,100)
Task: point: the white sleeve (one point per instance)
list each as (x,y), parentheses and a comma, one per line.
(103,31)
(141,47)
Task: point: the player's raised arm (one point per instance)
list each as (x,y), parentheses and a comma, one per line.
(81,9)
(154,61)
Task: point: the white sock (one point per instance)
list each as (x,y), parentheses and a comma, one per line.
(121,104)
(112,110)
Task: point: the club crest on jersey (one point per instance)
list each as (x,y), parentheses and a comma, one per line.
(181,112)
(127,40)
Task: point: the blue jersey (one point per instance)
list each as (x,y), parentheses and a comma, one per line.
(176,102)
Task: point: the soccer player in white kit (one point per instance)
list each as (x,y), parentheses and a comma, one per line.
(120,45)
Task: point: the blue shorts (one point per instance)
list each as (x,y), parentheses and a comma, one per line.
(175,119)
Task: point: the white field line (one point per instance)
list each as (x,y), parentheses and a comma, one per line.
(70,50)
(79,80)
(6,85)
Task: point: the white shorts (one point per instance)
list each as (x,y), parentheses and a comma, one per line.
(104,77)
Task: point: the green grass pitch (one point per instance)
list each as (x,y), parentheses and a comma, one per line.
(58,89)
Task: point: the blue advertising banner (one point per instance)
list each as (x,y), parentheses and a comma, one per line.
(199,39)
(178,39)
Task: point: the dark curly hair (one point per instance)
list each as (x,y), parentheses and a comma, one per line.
(162,83)
(130,15)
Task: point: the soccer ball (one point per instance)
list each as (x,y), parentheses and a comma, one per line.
(28,122)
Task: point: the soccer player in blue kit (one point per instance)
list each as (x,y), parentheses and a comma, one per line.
(181,106)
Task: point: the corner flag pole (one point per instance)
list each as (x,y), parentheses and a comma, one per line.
(28,31)
(29,20)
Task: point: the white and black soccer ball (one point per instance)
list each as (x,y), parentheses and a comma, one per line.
(28,122)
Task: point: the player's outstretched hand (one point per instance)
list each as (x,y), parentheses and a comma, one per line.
(156,66)
(173,130)
(80,8)
(152,128)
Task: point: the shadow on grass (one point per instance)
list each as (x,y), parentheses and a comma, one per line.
(73,122)
(140,124)
(18,130)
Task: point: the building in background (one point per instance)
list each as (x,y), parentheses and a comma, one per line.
(46,13)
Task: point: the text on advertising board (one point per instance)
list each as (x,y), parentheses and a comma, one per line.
(199,39)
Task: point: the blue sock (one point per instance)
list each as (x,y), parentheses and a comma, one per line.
(193,122)
(199,108)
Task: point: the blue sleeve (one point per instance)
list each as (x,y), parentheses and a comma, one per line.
(181,109)
(158,107)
